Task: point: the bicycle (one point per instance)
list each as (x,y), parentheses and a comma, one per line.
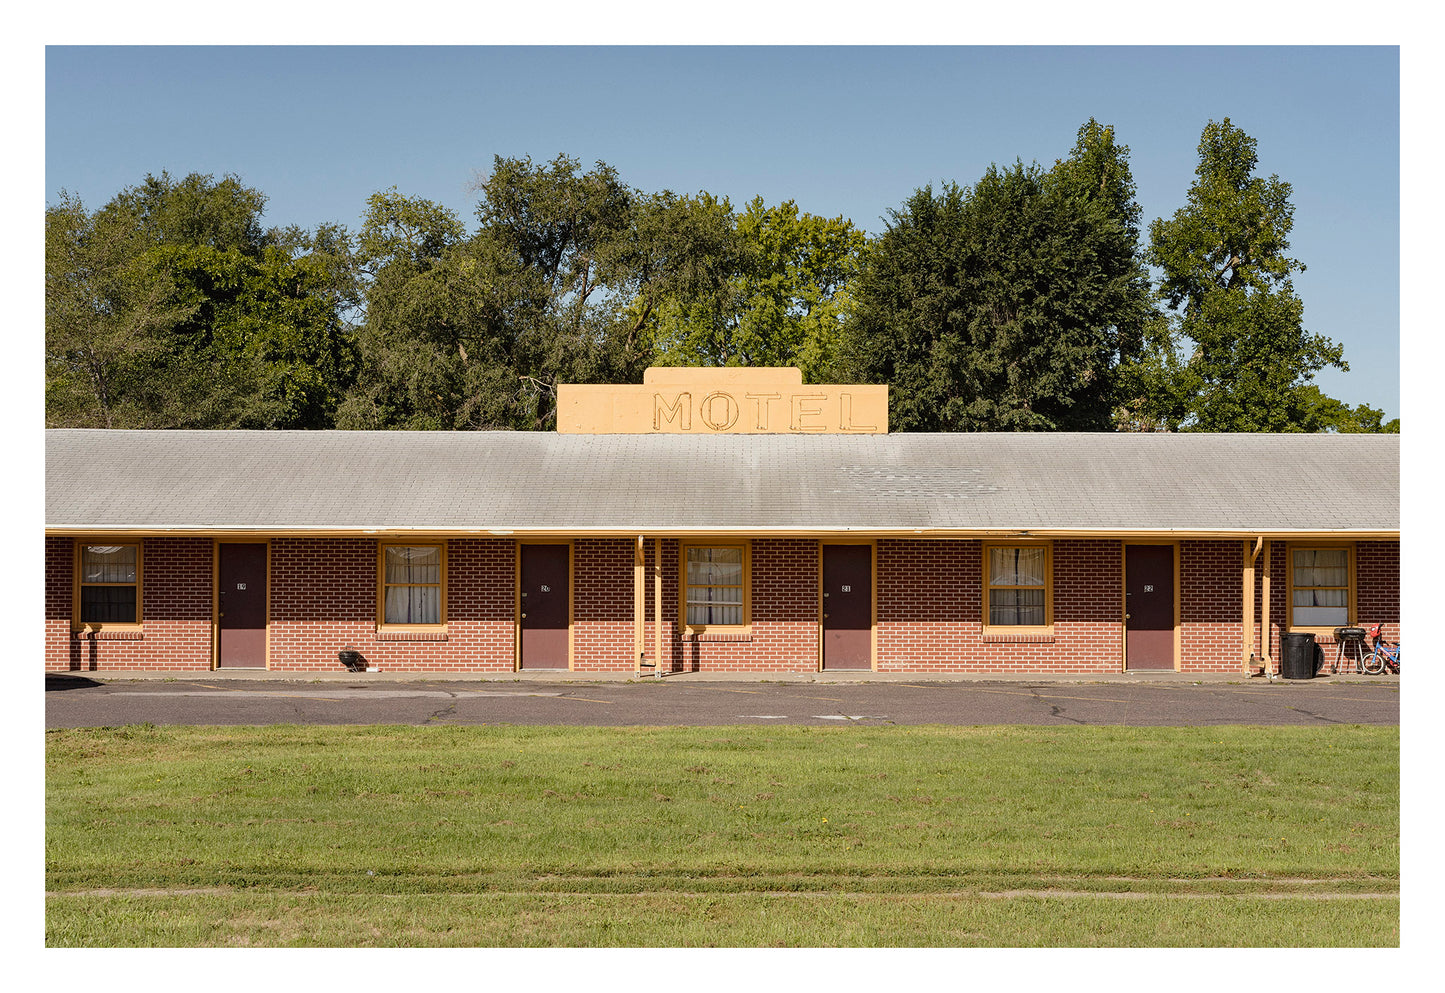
(1383,655)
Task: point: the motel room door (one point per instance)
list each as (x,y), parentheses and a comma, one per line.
(847,606)
(1149,607)
(544,603)
(241,605)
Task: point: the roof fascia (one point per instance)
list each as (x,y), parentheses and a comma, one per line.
(222,531)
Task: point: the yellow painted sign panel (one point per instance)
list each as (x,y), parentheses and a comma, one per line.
(722,401)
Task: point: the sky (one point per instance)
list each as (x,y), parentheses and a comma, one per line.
(840,130)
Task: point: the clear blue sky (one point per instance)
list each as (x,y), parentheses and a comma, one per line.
(839,130)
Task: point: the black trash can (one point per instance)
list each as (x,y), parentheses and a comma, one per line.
(1298,648)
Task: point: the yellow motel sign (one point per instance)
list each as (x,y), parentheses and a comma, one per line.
(722,401)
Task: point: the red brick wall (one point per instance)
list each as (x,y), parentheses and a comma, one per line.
(1211,604)
(1377,580)
(783,635)
(175,611)
(602,603)
(323,598)
(930,611)
(1377,591)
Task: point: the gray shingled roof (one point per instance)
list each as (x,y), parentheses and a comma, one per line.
(519,482)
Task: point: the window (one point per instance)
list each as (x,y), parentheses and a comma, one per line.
(108,585)
(1320,582)
(714,585)
(1016,586)
(413,591)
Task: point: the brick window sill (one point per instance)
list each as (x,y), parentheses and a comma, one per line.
(411,636)
(1018,638)
(734,636)
(131,634)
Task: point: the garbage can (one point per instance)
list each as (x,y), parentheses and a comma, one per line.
(1298,648)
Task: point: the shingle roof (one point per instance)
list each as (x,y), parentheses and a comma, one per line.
(522,482)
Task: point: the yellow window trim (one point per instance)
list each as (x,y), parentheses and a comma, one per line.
(1046,628)
(1350,594)
(78,625)
(746,626)
(381,585)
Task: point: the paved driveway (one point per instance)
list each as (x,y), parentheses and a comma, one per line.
(78,701)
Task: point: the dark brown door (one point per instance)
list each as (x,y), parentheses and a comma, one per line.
(241,601)
(1149,606)
(545,599)
(847,607)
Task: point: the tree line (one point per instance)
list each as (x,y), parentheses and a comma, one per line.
(1024,302)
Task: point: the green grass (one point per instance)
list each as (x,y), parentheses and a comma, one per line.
(733,836)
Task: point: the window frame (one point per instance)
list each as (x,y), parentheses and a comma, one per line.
(1318,630)
(76,622)
(747,588)
(381,587)
(991,629)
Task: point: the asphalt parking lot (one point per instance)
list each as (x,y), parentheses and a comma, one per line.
(77,700)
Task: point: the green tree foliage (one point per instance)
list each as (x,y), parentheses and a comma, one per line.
(172,307)
(1227,278)
(108,323)
(1007,306)
(784,304)
(557,285)
(1018,303)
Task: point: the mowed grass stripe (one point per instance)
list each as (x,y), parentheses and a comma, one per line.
(864,813)
(701,920)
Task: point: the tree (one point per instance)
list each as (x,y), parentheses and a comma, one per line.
(784,304)
(108,320)
(171,306)
(1227,279)
(1009,305)
(557,285)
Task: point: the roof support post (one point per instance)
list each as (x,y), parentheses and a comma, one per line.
(1264,639)
(1247,611)
(639,603)
(657,608)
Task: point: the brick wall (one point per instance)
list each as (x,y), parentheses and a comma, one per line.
(175,611)
(783,636)
(323,599)
(1211,604)
(1377,587)
(930,611)
(929,595)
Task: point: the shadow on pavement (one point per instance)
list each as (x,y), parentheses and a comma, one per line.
(61,681)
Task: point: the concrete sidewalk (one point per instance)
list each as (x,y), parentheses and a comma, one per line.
(566,676)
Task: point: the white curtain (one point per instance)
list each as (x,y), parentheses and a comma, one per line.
(107,564)
(1017,567)
(1327,570)
(413,584)
(714,585)
(413,605)
(113,604)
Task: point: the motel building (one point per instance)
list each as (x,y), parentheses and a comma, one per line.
(712,520)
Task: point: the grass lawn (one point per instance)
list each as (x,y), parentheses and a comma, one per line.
(738,837)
